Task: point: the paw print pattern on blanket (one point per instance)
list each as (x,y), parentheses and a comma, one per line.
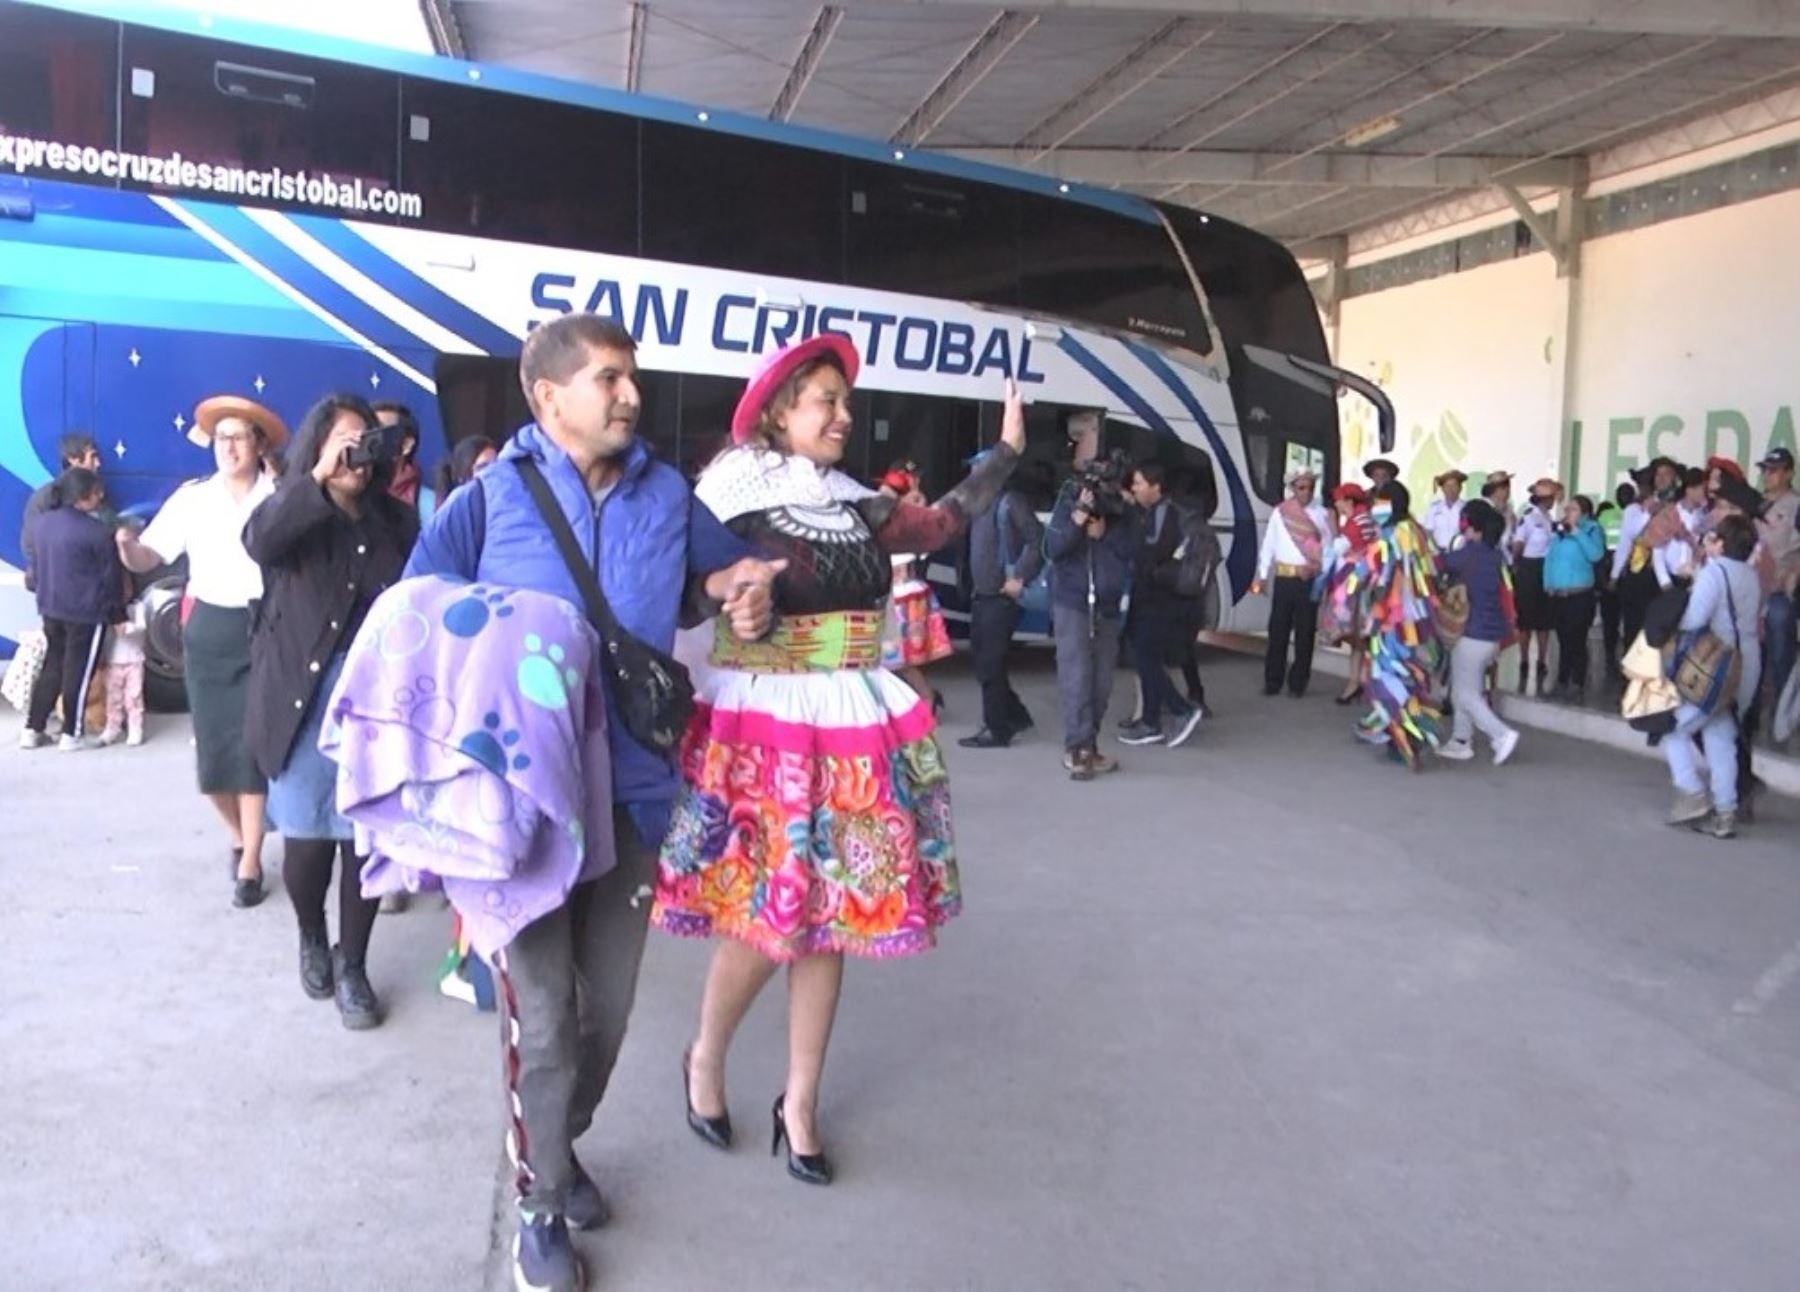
(490,749)
(466,618)
(542,678)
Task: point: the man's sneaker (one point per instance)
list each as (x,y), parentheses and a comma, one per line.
(1099,764)
(1505,747)
(1185,727)
(1689,808)
(1457,751)
(1722,825)
(73,744)
(1141,733)
(544,1259)
(587,1208)
(29,739)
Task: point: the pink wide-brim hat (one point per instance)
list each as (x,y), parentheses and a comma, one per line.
(777,367)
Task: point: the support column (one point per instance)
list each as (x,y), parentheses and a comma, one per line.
(1566,331)
(1330,291)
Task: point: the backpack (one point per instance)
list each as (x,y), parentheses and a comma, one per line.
(1036,596)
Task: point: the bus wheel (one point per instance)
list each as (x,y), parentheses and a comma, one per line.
(164,690)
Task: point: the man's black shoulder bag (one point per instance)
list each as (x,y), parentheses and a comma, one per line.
(652,695)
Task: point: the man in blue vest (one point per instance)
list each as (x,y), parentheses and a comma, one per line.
(568,980)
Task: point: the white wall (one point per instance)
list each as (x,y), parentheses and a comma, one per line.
(1688,344)
(1464,358)
(1690,339)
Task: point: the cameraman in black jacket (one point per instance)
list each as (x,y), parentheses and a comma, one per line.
(1092,543)
(1159,613)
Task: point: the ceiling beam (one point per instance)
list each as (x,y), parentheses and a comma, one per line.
(1164,48)
(981,57)
(634,46)
(1127,168)
(1761,18)
(445,32)
(806,62)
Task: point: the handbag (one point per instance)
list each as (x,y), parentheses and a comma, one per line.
(1650,698)
(1034,597)
(651,692)
(1451,611)
(1704,668)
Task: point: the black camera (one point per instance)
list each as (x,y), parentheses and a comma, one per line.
(1104,480)
(374,449)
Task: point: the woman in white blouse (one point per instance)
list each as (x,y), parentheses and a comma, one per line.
(204,521)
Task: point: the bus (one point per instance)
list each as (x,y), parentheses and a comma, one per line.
(191,207)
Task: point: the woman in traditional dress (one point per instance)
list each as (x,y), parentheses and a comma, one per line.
(204,521)
(815,818)
(1395,583)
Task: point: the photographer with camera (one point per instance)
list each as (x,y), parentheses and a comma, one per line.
(1092,543)
(330,539)
(1293,551)
(1576,546)
(1160,597)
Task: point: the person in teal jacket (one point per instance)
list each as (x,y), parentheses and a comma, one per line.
(1577,543)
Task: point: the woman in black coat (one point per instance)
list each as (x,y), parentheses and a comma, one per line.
(329,542)
(80,594)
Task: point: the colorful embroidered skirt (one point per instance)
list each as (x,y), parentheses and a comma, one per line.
(915,633)
(814,817)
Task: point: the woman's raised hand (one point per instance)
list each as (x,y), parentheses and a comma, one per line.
(1012,420)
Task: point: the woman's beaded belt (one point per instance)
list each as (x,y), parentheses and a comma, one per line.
(843,639)
(1285,571)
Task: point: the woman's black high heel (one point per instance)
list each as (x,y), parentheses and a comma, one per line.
(714,1130)
(808,1168)
(937,702)
(1347,697)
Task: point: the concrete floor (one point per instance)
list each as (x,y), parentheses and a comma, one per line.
(1263,1013)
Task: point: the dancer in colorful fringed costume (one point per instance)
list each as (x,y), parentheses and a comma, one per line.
(815,816)
(1393,589)
(1338,621)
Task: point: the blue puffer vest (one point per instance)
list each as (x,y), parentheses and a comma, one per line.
(642,530)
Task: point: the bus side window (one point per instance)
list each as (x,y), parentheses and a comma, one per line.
(478,395)
(734,203)
(1078,261)
(939,436)
(261,109)
(43,51)
(506,166)
(932,236)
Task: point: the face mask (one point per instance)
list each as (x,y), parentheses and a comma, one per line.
(1383,513)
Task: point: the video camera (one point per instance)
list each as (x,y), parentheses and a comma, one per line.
(1104,480)
(375,449)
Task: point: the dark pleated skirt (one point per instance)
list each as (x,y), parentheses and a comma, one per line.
(216,645)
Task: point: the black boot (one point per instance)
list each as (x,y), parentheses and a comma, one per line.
(315,964)
(355,998)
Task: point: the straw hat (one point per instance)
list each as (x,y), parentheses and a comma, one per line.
(215,410)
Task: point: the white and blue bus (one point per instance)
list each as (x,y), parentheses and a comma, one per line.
(192,207)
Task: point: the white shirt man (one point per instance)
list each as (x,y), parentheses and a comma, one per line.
(1443,519)
(1281,549)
